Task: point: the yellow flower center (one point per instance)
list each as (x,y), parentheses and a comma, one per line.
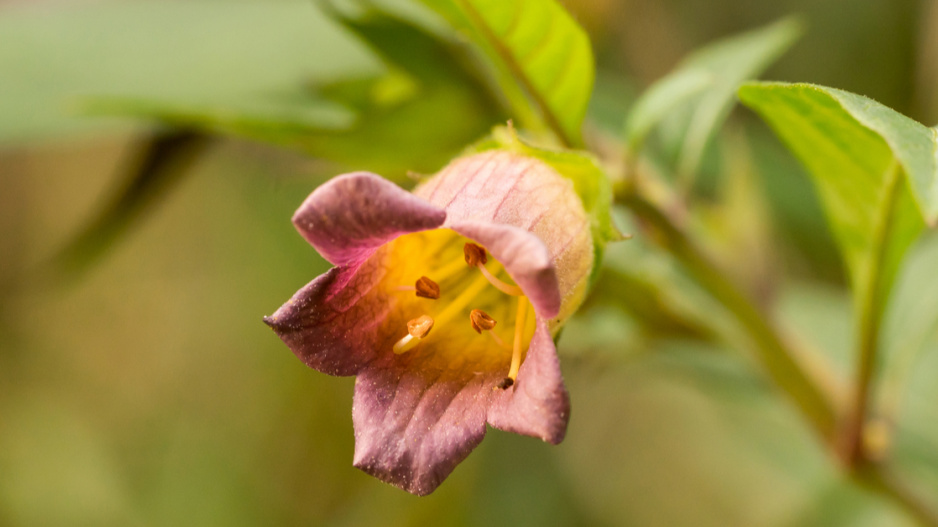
(454,306)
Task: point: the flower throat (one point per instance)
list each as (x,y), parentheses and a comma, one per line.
(466,291)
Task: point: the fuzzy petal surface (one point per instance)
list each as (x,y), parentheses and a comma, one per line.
(538,404)
(352,215)
(412,428)
(525,258)
(504,188)
(333,324)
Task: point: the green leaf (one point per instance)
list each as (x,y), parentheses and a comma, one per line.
(875,170)
(542,59)
(657,102)
(185,53)
(429,75)
(705,84)
(911,322)
(387,123)
(284,119)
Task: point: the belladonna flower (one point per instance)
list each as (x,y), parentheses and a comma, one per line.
(444,303)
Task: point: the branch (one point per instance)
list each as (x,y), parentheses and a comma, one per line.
(779,361)
(773,353)
(870,302)
(882,480)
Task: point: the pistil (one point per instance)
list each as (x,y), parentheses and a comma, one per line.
(520,322)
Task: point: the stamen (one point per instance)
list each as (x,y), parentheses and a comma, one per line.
(420,326)
(520,321)
(508,289)
(405,344)
(417,329)
(475,254)
(427,288)
(481,320)
(476,257)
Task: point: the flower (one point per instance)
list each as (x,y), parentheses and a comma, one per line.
(444,303)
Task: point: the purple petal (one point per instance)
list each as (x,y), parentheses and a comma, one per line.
(413,427)
(333,324)
(352,215)
(504,188)
(525,258)
(537,405)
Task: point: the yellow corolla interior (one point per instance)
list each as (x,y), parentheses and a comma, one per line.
(473,292)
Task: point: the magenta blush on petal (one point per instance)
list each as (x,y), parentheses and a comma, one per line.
(352,215)
(333,324)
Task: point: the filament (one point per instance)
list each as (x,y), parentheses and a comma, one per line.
(508,289)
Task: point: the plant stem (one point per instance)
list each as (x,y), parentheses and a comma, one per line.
(780,361)
(772,351)
(882,480)
(870,303)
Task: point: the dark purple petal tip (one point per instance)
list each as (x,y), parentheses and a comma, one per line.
(332,324)
(352,215)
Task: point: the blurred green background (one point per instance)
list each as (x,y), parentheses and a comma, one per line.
(145,390)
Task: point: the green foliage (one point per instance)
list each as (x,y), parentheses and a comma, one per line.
(185,55)
(871,166)
(701,90)
(403,85)
(383,122)
(542,60)
(285,119)
(911,323)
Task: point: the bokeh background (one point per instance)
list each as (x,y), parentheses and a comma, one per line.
(143,388)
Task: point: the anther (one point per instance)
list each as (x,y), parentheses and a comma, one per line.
(475,254)
(476,257)
(505,383)
(420,326)
(481,320)
(427,288)
(417,329)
